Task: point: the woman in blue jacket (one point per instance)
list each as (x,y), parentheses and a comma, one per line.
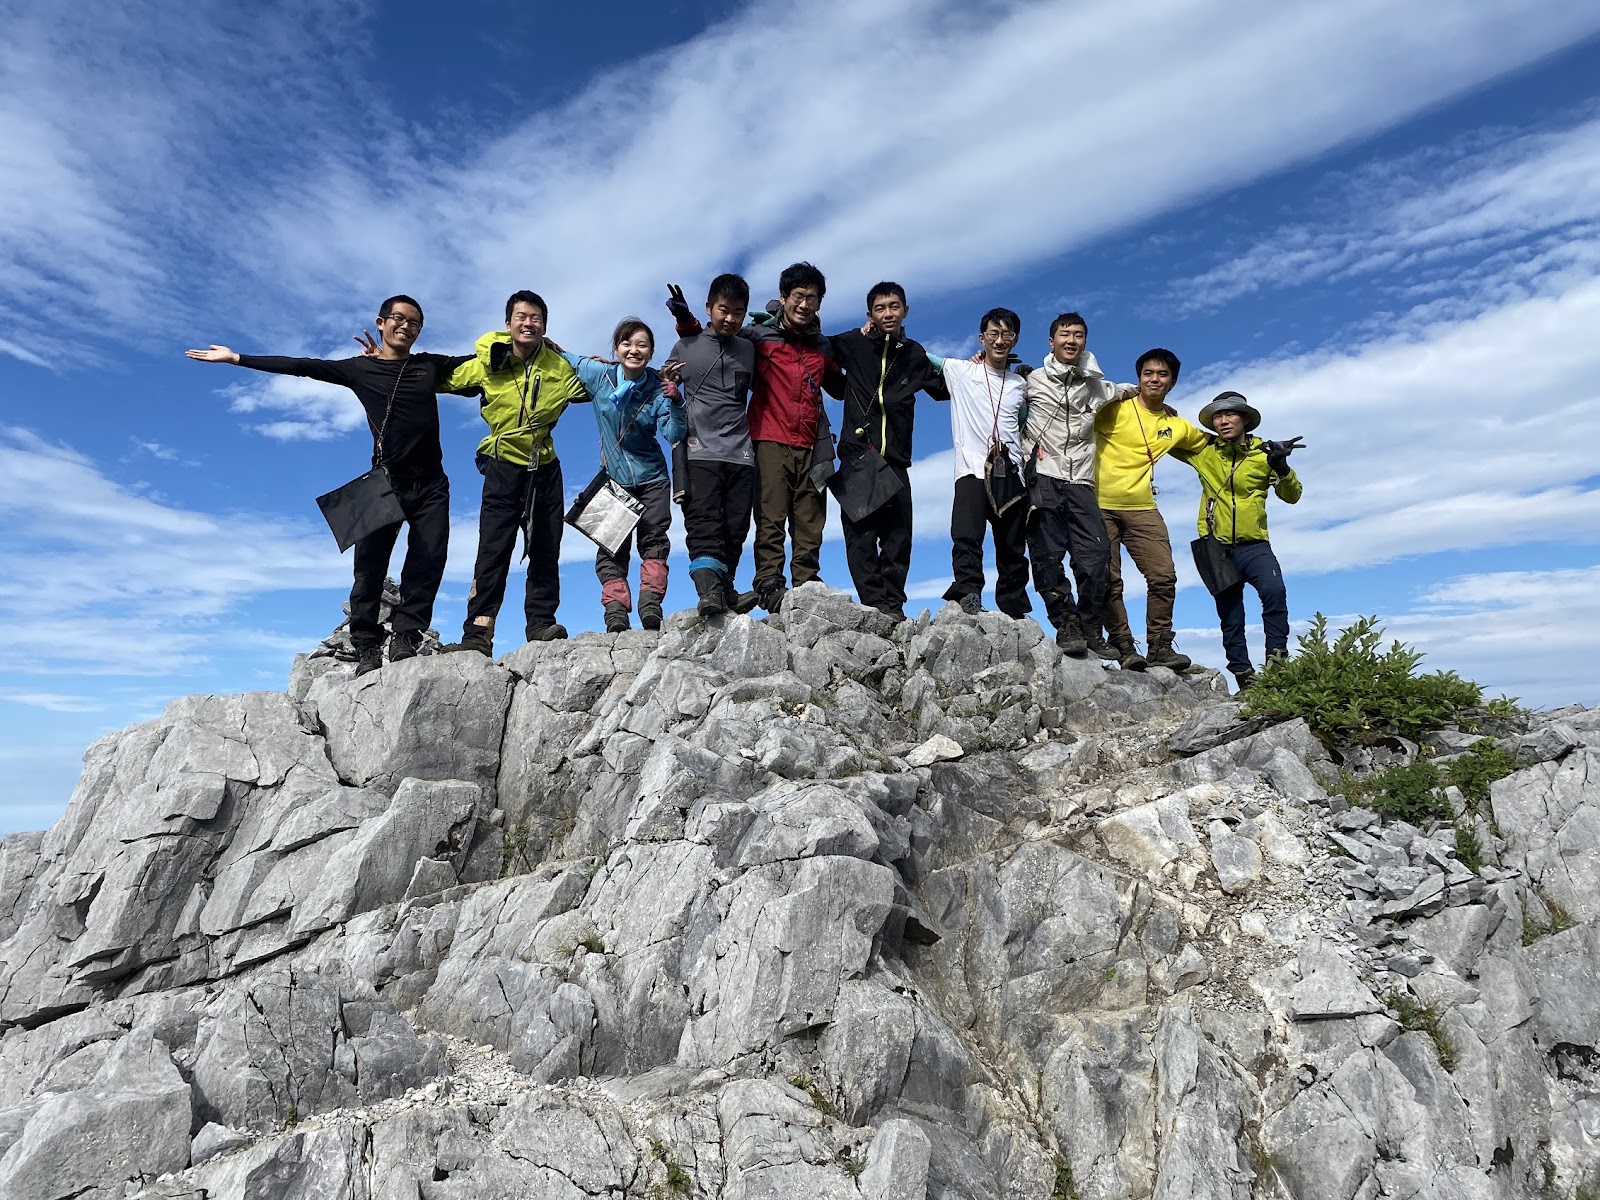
(633,404)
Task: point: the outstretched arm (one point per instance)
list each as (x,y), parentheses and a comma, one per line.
(323,369)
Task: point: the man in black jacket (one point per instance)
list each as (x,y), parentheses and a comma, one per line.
(883,372)
(399,391)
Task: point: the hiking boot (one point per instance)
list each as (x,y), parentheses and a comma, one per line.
(649,610)
(1242,681)
(548,633)
(972,604)
(481,645)
(1070,637)
(893,611)
(1128,656)
(368,658)
(1094,640)
(403,646)
(744,602)
(1163,655)
(617,618)
(771,597)
(708,585)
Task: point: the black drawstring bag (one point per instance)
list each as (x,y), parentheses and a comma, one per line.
(361,507)
(1212,559)
(864,482)
(368,502)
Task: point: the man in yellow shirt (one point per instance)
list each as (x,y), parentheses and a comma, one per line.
(1129,436)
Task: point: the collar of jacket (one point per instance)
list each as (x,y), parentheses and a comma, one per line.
(1087,367)
(498,344)
(878,336)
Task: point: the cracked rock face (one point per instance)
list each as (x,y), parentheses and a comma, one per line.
(811,906)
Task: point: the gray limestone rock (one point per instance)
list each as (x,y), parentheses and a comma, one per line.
(1236,860)
(131,1121)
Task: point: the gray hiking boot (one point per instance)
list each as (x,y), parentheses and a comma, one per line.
(617,618)
(972,604)
(368,658)
(403,646)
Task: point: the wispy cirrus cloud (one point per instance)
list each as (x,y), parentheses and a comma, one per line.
(1488,215)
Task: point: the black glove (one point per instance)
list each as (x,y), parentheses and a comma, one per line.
(677,305)
(1016,364)
(1278,454)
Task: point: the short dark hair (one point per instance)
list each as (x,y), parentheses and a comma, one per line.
(1065,319)
(730,287)
(527,297)
(387,306)
(885,289)
(629,326)
(802,274)
(1161,356)
(1001,316)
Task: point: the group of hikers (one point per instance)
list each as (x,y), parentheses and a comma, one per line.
(1054,463)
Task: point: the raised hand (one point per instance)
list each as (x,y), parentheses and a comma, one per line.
(1278,453)
(213,353)
(677,305)
(672,370)
(368,343)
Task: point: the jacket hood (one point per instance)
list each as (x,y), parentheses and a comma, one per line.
(1087,366)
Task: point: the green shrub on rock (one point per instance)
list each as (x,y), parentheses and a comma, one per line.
(1349,690)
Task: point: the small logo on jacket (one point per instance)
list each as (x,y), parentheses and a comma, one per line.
(1164,433)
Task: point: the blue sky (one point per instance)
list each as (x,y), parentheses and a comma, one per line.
(1380,222)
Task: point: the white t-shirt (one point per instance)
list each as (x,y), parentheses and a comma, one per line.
(983,403)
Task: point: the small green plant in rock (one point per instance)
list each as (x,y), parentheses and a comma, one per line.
(514,852)
(819,1098)
(678,1181)
(1410,793)
(1348,689)
(1554,919)
(592,942)
(1424,1018)
(1469,849)
(852,1165)
(1065,1188)
(1506,708)
(1478,766)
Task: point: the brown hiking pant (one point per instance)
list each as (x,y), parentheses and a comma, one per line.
(784,496)
(1144,534)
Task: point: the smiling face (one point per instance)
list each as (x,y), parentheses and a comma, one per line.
(401,327)
(526,325)
(724,316)
(887,314)
(998,340)
(1067,343)
(800,306)
(1155,381)
(634,352)
(1229,426)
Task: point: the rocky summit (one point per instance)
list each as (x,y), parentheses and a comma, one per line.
(815,906)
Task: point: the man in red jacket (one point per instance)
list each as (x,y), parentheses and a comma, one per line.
(793,442)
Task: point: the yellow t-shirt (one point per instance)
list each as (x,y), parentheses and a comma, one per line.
(1128,439)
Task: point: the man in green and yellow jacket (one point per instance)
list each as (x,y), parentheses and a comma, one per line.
(1236,471)
(524,386)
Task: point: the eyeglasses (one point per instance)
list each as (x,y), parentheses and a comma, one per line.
(400,322)
(997,335)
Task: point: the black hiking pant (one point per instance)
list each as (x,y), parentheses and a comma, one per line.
(511,492)
(970,514)
(716,514)
(878,548)
(426,503)
(1068,523)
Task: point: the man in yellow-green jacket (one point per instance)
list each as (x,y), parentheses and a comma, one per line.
(1236,471)
(524,386)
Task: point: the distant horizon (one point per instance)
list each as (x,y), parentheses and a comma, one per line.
(1378,223)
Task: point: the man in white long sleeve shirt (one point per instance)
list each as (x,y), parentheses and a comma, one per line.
(985,402)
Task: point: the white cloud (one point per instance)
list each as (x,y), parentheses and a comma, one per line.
(103,580)
(974,135)
(54,701)
(1499,215)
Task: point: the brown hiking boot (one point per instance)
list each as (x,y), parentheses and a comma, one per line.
(1128,656)
(1163,655)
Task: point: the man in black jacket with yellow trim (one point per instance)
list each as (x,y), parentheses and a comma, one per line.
(883,372)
